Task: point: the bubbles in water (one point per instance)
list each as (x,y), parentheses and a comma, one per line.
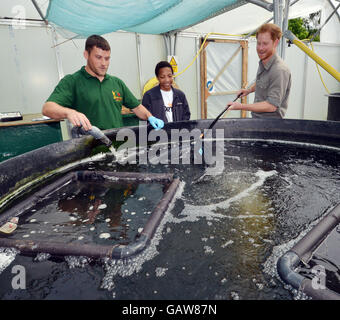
(125,268)
(208,250)
(77,262)
(234,295)
(160,272)
(40,257)
(104,235)
(227,243)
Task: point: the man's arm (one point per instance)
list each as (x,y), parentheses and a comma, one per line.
(245,92)
(262,106)
(141,112)
(56,111)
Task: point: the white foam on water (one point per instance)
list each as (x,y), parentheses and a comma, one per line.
(208,250)
(194,213)
(42,257)
(127,267)
(7,256)
(211,172)
(234,295)
(77,262)
(233,157)
(227,243)
(104,235)
(160,272)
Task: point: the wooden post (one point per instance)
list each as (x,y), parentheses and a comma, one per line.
(203,75)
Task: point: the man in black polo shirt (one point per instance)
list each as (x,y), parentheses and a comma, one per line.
(91,96)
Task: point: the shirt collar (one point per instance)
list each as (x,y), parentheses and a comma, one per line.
(88,76)
(270,62)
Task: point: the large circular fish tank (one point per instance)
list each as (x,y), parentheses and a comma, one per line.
(220,236)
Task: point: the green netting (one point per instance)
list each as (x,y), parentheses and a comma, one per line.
(86,17)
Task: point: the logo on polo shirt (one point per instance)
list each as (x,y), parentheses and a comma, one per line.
(116,96)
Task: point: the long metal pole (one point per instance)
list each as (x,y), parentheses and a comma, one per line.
(285,27)
(315,34)
(139,61)
(264,4)
(39,11)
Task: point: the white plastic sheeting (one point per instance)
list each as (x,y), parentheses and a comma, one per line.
(330,32)
(249,17)
(230,80)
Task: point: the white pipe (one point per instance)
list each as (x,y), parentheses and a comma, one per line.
(264,4)
(285,27)
(139,61)
(198,79)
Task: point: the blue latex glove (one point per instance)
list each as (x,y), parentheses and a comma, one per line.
(156,123)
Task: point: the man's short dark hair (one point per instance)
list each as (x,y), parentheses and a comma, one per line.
(96,41)
(163,64)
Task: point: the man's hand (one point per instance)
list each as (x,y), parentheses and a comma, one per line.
(243,92)
(78,119)
(235,105)
(56,111)
(156,123)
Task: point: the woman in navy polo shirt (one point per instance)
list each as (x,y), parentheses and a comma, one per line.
(164,101)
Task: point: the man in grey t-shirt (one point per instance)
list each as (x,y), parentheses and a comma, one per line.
(273,79)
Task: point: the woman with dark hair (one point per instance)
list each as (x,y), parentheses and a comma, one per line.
(164,101)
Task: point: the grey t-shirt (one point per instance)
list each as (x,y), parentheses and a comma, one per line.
(273,82)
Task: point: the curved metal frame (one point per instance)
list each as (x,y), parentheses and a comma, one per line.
(302,252)
(94,251)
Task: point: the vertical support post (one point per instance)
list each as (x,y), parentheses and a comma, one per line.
(278,14)
(139,62)
(65,125)
(304,87)
(57,54)
(285,27)
(166,40)
(198,77)
(203,76)
(244,44)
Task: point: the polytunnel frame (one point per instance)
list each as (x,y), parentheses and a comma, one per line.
(302,252)
(115,251)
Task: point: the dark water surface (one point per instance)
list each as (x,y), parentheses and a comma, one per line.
(220,240)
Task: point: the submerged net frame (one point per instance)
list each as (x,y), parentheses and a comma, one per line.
(116,251)
(302,252)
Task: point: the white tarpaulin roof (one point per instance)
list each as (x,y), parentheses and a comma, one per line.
(247,18)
